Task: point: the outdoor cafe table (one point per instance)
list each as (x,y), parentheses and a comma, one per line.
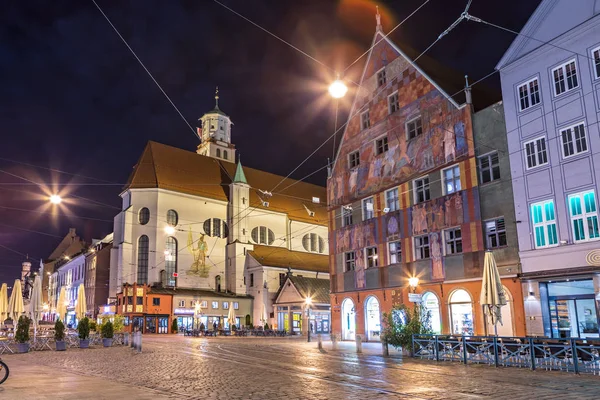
(41,342)
(5,345)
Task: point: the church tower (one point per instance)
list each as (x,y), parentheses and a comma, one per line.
(214,131)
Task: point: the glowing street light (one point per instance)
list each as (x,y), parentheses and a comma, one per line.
(413,283)
(169,230)
(55,199)
(338,89)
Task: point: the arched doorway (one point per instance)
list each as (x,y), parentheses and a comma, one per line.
(506,328)
(348,320)
(372,319)
(431,304)
(461,313)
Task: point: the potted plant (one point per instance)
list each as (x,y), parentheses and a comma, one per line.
(107,333)
(402,323)
(202,327)
(84,333)
(266,327)
(174,327)
(22,334)
(93,326)
(59,335)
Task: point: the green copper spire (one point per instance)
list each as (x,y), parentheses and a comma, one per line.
(239,174)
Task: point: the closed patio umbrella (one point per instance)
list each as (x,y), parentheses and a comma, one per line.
(231,315)
(35,303)
(3,303)
(61,304)
(492,292)
(264,314)
(80,308)
(15,304)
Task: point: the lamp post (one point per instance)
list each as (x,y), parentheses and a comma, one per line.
(308,303)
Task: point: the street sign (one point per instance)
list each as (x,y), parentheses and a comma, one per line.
(414,297)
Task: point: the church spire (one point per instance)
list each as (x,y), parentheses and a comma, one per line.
(217,98)
(378,19)
(239,177)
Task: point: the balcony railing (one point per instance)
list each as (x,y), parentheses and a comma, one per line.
(570,355)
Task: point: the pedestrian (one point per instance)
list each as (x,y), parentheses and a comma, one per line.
(214,326)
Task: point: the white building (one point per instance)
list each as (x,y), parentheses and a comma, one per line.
(191,219)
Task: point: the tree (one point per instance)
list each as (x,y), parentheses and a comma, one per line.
(402,323)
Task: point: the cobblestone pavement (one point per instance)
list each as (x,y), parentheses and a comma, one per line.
(272,368)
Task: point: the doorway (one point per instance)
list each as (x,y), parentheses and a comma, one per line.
(431,304)
(461,313)
(573,311)
(372,319)
(348,320)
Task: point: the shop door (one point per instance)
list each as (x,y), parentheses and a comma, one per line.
(138,324)
(150,325)
(163,324)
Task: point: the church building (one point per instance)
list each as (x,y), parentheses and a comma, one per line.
(199,233)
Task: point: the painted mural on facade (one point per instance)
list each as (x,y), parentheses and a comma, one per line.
(198,251)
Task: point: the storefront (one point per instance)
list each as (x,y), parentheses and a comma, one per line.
(145,310)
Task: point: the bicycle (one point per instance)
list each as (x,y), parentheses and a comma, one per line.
(4,371)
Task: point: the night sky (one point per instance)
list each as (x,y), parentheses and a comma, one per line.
(74,99)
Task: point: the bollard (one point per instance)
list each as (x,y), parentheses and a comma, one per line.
(320,342)
(132,343)
(384,348)
(126,339)
(358,344)
(333,341)
(139,349)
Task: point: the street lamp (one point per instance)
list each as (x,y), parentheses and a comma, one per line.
(413,283)
(55,199)
(338,89)
(169,230)
(308,302)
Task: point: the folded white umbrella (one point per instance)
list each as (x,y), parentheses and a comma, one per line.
(80,308)
(3,303)
(15,305)
(492,292)
(61,304)
(35,302)
(231,315)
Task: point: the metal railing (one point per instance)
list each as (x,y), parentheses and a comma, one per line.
(571,355)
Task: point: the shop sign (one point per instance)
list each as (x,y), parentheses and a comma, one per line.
(184,311)
(414,297)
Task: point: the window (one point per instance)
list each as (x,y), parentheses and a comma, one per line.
(536,153)
(216,228)
(156,301)
(139,301)
(565,77)
(236,305)
(421,188)
(144,216)
(225,305)
(584,216)
(381,78)
(529,94)
(349,261)
(215,305)
(263,235)
(489,168)
(573,140)
(313,243)
(451,178)
(365,121)
(596,57)
(181,303)
(495,233)
(347,215)
(381,145)
(203,304)
(225,155)
(367,208)
(544,224)
(219,153)
(391,199)
(414,128)
(353,159)
(172,218)
(372,257)
(393,103)
(251,280)
(395,252)
(422,247)
(143,250)
(170,261)
(453,240)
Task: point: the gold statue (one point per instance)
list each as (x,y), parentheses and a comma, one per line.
(198,267)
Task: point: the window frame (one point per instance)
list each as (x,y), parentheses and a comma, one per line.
(584,216)
(365,117)
(212,305)
(452,242)
(544,224)
(395,103)
(421,247)
(349,262)
(563,69)
(381,74)
(415,192)
(347,213)
(573,140)
(529,95)
(537,152)
(490,167)
(497,233)
(144,210)
(395,199)
(371,257)
(384,142)
(596,62)
(396,253)
(454,177)
(365,212)
(351,159)
(407,129)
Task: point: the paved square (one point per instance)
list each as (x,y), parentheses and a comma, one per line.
(174,367)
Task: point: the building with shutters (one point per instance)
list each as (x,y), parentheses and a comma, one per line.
(404,201)
(198,223)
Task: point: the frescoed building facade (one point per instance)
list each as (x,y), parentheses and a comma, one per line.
(404,201)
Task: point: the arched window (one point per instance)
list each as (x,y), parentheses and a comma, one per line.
(225,155)
(216,228)
(263,235)
(172,217)
(218,283)
(170,260)
(219,153)
(431,304)
(313,243)
(461,312)
(144,216)
(143,249)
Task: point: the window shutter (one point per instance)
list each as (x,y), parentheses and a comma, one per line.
(321,245)
(207,227)
(271,237)
(255,235)
(306,242)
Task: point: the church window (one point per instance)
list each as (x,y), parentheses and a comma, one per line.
(170,260)
(219,153)
(225,156)
(215,227)
(263,235)
(313,243)
(172,218)
(144,216)
(143,250)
